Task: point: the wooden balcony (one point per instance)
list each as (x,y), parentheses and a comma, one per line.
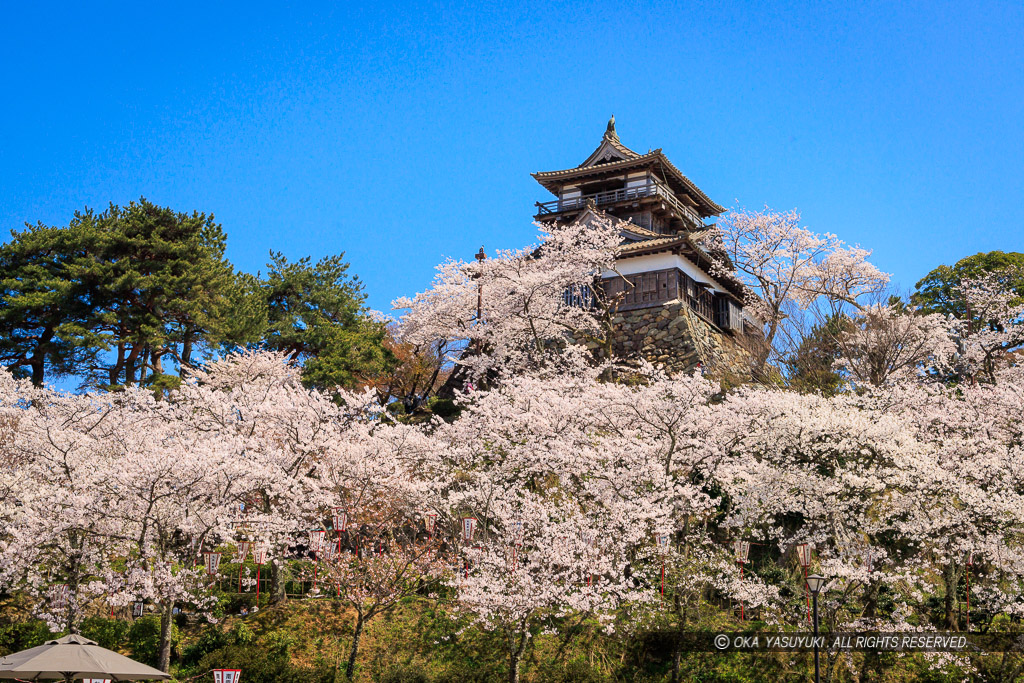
(625,194)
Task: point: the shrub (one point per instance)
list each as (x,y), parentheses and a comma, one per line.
(445,408)
(144,639)
(262,666)
(211,639)
(410,674)
(23,635)
(109,633)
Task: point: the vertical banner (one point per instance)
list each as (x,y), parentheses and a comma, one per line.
(431,522)
(339,519)
(212,562)
(242,552)
(316,540)
(468,529)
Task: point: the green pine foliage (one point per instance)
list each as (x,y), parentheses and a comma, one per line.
(134,295)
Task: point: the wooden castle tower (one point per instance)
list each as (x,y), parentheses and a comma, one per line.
(670,308)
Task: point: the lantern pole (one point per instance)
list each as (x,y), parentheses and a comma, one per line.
(742,550)
(815,584)
(316,540)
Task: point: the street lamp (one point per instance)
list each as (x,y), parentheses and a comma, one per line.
(259,555)
(741,549)
(240,555)
(815,582)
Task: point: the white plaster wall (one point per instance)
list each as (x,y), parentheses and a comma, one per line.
(636,180)
(643,264)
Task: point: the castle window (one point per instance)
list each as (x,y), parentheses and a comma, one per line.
(578,296)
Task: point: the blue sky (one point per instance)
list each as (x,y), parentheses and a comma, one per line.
(401,133)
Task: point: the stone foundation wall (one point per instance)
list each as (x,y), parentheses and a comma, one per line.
(676,338)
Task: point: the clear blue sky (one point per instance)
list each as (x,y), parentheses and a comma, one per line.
(401,133)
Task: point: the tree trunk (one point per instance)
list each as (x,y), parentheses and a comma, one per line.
(949,578)
(871,665)
(515,656)
(131,363)
(38,360)
(277,594)
(114,373)
(351,668)
(166,630)
(186,348)
(38,370)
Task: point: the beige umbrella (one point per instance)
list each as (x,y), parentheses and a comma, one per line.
(73,657)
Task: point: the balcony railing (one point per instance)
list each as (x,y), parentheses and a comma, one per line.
(651,189)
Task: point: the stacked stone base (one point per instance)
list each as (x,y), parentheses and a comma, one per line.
(672,336)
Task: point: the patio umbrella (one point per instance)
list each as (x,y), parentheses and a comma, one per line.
(73,657)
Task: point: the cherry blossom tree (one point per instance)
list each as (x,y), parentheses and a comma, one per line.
(886,343)
(174,491)
(787,266)
(57,541)
(994,326)
(387,559)
(510,312)
(569,478)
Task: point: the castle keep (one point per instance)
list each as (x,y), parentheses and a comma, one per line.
(669,309)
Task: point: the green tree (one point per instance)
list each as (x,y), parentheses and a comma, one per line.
(317,315)
(936,292)
(45,316)
(809,369)
(115,295)
(161,289)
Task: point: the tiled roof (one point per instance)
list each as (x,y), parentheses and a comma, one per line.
(642,233)
(653,157)
(655,244)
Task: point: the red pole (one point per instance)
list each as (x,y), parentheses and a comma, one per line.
(239,578)
(807,590)
(258,567)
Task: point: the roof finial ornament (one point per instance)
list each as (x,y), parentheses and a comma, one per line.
(610,130)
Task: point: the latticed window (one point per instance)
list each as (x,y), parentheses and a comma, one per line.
(578,296)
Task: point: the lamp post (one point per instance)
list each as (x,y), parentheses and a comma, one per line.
(662,541)
(815,582)
(316,544)
(468,530)
(259,555)
(339,520)
(742,551)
